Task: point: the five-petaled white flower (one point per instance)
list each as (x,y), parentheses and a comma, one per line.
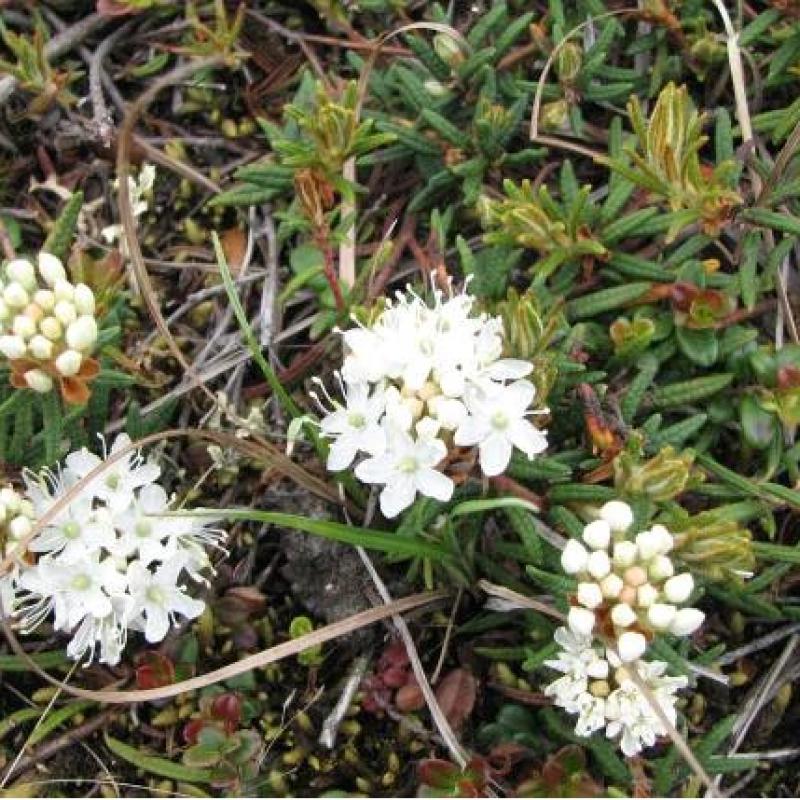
(497,424)
(405,468)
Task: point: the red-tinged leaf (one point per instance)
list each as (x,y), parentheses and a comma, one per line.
(504,757)
(191,730)
(153,670)
(395,677)
(228,708)
(409,698)
(234,245)
(438,773)
(456,694)
(394,655)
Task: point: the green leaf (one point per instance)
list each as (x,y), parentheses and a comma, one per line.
(684,392)
(157,766)
(758,425)
(786,223)
(591,305)
(363,537)
(699,346)
(59,240)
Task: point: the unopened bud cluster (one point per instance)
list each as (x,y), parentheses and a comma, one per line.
(47,323)
(17,516)
(627,587)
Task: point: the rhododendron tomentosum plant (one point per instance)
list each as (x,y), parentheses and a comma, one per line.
(628,592)
(114,558)
(420,382)
(48,329)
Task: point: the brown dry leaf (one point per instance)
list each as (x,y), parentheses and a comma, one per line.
(234,245)
(456,694)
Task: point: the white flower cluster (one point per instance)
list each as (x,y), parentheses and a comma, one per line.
(46,322)
(627,589)
(419,381)
(599,689)
(627,592)
(139,190)
(112,559)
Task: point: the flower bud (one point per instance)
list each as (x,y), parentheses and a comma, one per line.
(40,347)
(646,595)
(51,328)
(622,615)
(448,49)
(15,295)
(69,363)
(22,272)
(618,515)
(678,588)
(631,646)
(648,544)
(660,615)
(581,620)
(597,534)
(599,564)
(45,299)
(23,326)
(82,334)
(635,576)
(611,586)
(625,554)
(38,380)
(84,299)
(12,347)
(589,595)
(65,312)
(51,269)
(686,621)
(63,290)
(19,527)
(9,498)
(573,557)
(665,538)
(660,568)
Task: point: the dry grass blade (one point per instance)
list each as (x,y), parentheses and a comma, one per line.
(255,661)
(127,219)
(519,600)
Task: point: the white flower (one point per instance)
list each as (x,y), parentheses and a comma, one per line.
(597,534)
(625,554)
(157,598)
(354,426)
(441,363)
(21,271)
(69,363)
(686,621)
(51,269)
(630,715)
(660,568)
(611,586)
(599,564)
(631,646)
(660,615)
(574,557)
(623,615)
(407,467)
(581,620)
(679,587)
(12,347)
(646,595)
(38,380)
(81,334)
(112,558)
(116,484)
(589,595)
(497,423)
(76,533)
(618,515)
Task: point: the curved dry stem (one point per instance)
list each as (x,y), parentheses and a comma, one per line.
(255,661)
(126,210)
(537,98)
